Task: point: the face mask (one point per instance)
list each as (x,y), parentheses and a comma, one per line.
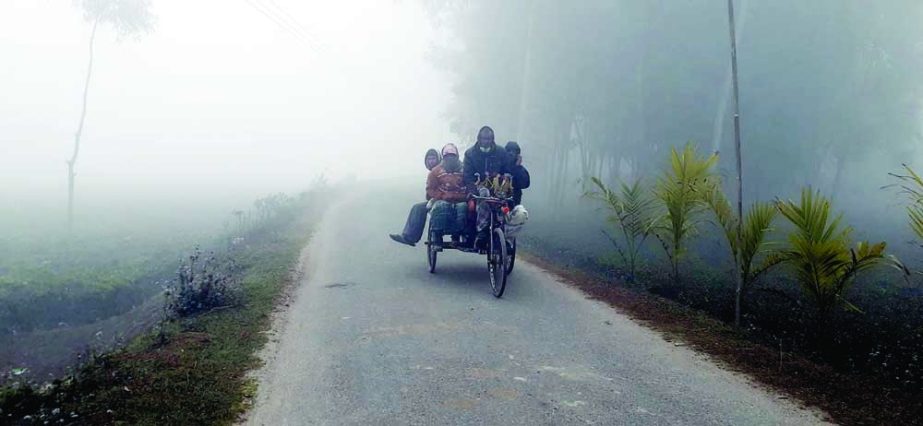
(451,163)
(486,149)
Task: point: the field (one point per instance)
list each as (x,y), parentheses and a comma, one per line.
(192,368)
(65,294)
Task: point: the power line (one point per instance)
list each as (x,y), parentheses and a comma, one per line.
(293,22)
(281,24)
(259,7)
(278,18)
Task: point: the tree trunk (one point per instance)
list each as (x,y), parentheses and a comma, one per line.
(823,330)
(71,174)
(675,267)
(739,291)
(562,160)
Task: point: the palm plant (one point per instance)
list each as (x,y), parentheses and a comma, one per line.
(631,212)
(820,255)
(746,240)
(682,190)
(913,188)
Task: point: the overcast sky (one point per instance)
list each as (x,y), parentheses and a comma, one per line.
(218,93)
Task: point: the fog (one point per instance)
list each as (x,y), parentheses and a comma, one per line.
(219,103)
(217,95)
(829,95)
(227,98)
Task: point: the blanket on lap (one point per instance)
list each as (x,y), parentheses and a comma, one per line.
(448,218)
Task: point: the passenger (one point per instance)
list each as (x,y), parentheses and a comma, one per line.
(446,181)
(432,159)
(416,220)
(484,160)
(446,190)
(518,171)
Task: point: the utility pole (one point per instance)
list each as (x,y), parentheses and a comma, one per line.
(740,186)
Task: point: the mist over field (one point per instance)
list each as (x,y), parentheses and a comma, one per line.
(141,140)
(216,99)
(195,115)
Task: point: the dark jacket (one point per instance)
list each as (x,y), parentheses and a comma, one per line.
(520,181)
(490,163)
(519,173)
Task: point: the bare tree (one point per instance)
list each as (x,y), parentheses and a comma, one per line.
(128,18)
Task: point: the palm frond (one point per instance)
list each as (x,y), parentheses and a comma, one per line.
(756,226)
(605,195)
(913,189)
(915,212)
(770,261)
(637,208)
(724,215)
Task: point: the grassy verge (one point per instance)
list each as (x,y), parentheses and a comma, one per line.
(194,374)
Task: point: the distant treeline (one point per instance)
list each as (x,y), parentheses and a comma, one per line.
(830,91)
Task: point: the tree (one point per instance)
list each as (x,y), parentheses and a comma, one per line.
(127,18)
(819,252)
(746,239)
(632,213)
(682,190)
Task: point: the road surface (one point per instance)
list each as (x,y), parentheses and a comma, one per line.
(372,338)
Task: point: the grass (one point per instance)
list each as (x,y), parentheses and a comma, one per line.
(194,374)
(53,278)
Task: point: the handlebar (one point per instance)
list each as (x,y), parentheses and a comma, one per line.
(490,199)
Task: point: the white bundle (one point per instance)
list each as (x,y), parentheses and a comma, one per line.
(515,220)
(518,216)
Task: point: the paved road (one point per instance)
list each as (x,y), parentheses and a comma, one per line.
(373,338)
